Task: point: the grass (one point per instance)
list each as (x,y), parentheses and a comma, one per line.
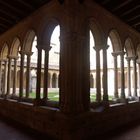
(54,96)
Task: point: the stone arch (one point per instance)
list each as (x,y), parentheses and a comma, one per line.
(115,40)
(42,79)
(91,81)
(4,51)
(96,32)
(28,41)
(49,79)
(46,31)
(54,78)
(129,46)
(15,47)
(138,51)
(18,78)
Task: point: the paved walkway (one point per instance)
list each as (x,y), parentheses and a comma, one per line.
(12,131)
(129,132)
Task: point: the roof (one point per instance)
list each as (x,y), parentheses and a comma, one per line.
(127,10)
(13,11)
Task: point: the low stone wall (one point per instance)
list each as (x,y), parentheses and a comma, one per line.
(66,127)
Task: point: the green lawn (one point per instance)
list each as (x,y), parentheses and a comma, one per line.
(54,96)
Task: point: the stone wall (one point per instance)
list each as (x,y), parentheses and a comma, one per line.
(69,127)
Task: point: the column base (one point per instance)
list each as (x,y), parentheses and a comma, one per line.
(117,100)
(125,101)
(38,102)
(106,104)
(136,98)
(7,96)
(2,95)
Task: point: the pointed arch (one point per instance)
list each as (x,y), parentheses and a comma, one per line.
(138,51)
(129,46)
(4,51)
(54,76)
(91,81)
(28,41)
(115,40)
(96,32)
(15,47)
(47,30)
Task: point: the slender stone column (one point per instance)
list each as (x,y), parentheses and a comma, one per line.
(5,77)
(57,81)
(50,80)
(0,77)
(28,74)
(135,76)
(98,77)
(38,84)
(105,77)
(122,75)
(45,90)
(15,76)
(139,75)
(115,76)
(21,73)
(128,76)
(9,76)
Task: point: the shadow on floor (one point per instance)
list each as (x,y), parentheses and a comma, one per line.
(11,130)
(130,131)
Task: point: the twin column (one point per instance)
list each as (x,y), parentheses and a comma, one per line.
(98,77)
(123,76)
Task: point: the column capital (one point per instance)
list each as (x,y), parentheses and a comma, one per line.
(138,61)
(134,58)
(96,48)
(114,54)
(29,53)
(118,53)
(121,53)
(128,58)
(105,47)
(48,48)
(12,57)
(39,47)
(5,60)
(22,52)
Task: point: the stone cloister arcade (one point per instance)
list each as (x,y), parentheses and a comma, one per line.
(73,114)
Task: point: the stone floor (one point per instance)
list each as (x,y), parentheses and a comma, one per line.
(12,131)
(129,132)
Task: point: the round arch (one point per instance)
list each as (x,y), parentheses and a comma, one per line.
(115,40)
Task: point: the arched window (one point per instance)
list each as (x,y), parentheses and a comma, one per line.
(91,81)
(54,80)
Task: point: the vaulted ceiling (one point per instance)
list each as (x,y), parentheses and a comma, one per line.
(13,11)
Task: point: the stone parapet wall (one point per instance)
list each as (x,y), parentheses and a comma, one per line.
(69,127)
